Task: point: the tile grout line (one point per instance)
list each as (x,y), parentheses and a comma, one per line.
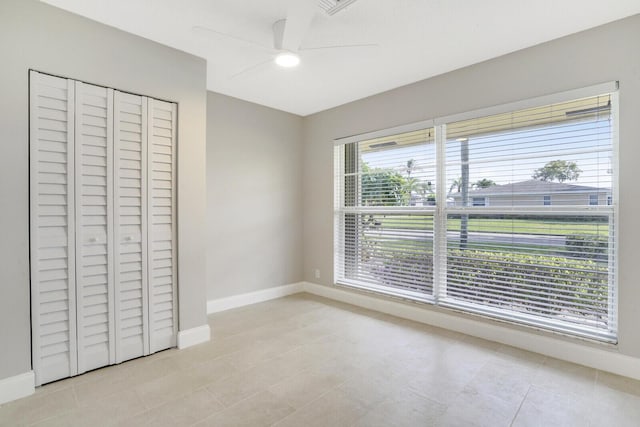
(305,405)
(520,406)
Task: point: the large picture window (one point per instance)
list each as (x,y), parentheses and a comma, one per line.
(413,217)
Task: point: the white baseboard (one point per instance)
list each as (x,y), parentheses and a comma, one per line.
(584,354)
(16,387)
(193,336)
(222,304)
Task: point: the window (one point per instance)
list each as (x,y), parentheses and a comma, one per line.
(385,222)
(479,201)
(609,200)
(593,200)
(413,218)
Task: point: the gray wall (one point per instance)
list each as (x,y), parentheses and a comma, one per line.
(38,36)
(606,53)
(254,194)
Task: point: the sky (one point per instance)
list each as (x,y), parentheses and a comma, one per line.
(512,156)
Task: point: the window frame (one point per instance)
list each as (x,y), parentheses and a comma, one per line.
(339,201)
(442,209)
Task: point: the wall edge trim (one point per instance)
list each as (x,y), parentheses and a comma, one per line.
(241,300)
(193,336)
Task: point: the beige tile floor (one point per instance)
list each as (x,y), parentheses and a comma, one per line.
(306,361)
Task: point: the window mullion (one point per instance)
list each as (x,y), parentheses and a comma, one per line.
(613,217)
(440,220)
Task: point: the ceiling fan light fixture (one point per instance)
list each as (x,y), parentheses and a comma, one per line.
(287,59)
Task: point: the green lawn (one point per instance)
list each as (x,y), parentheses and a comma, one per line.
(531,226)
(489,225)
(425,247)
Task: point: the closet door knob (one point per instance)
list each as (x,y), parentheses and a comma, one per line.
(93,240)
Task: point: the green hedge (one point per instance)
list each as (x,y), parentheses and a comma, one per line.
(525,282)
(582,283)
(587,246)
(405,267)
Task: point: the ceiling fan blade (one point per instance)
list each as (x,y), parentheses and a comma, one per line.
(342,46)
(299,16)
(250,68)
(208,32)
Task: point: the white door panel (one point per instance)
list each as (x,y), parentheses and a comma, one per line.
(131,291)
(162,225)
(52,217)
(94,226)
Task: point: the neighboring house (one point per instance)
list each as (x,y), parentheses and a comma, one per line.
(535,193)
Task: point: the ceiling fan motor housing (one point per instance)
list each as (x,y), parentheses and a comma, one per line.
(278,33)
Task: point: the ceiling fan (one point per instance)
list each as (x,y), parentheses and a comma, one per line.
(288,34)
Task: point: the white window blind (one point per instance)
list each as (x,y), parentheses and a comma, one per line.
(518,257)
(522,258)
(385,215)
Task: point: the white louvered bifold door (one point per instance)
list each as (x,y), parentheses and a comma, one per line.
(94,226)
(130,231)
(52,213)
(103,226)
(162,223)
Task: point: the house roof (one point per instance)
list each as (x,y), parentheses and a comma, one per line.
(532,186)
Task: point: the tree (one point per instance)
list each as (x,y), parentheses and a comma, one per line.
(383,187)
(484,183)
(457,184)
(425,190)
(557,170)
(411,163)
(411,186)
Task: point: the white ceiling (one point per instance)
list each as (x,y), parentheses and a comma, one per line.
(416,39)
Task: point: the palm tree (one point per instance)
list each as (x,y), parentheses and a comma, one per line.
(425,190)
(457,184)
(411,185)
(410,165)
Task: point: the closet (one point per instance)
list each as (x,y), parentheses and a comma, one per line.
(102,226)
